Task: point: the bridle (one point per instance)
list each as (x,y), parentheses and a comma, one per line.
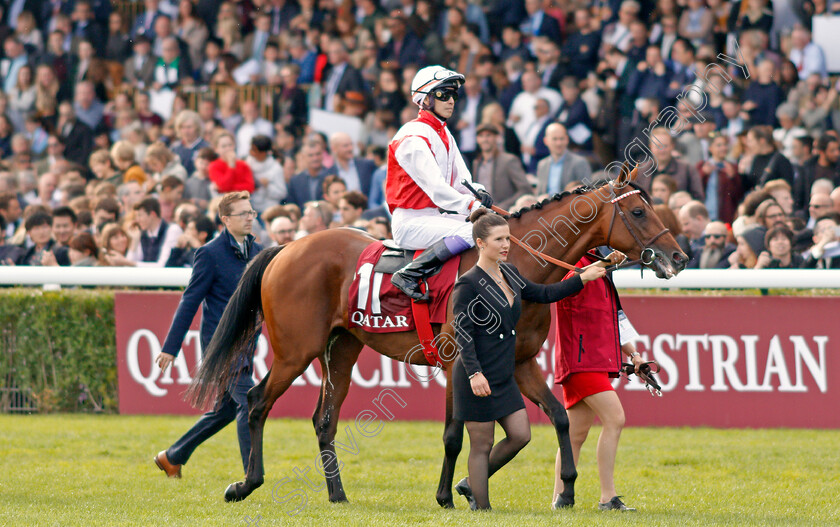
(646,246)
(647,255)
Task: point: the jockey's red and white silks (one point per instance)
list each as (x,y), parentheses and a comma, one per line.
(425,168)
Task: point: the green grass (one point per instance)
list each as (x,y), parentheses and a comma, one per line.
(98,470)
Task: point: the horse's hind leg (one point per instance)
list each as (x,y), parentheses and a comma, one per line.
(453,439)
(337,362)
(260,400)
(531,383)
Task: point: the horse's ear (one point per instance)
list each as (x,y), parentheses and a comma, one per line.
(624,176)
(634,173)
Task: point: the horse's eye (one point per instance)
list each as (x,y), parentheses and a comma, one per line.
(638,212)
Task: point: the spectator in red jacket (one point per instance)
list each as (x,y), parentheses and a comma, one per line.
(593,336)
(228,173)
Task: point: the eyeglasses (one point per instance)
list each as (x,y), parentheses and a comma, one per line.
(445,95)
(246,214)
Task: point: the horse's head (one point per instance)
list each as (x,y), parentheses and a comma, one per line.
(636,230)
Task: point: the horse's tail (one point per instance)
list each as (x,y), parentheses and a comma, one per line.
(240,324)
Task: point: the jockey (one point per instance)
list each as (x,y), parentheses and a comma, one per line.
(425,169)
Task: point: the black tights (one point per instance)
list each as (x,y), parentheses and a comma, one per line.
(485,458)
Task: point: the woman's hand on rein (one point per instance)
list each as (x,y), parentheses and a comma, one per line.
(480,386)
(592,272)
(637,361)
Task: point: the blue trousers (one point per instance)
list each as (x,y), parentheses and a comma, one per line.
(233,405)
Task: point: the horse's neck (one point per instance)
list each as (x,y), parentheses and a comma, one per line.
(567,239)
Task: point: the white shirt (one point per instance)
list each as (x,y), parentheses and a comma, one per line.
(786,137)
(267,195)
(523,106)
(332,86)
(350,175)
(808,60)
(619,36)
(470,115)
(531,134)
(248,131)
(172,234)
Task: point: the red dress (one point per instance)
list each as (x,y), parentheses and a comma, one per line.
(587,345)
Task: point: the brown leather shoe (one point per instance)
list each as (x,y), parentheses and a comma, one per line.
(173,471)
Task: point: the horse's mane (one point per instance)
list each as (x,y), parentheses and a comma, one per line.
(576,192)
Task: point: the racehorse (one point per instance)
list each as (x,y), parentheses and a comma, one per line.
(300,291)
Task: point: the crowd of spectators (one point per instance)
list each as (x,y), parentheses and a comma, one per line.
(122,123)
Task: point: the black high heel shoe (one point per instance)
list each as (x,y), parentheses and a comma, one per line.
(463,488)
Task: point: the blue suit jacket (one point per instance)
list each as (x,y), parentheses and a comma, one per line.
(365,168)
(139,27)
(298,187)
(216,272)
(550,27)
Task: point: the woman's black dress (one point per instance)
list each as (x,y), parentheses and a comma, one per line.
(484,331)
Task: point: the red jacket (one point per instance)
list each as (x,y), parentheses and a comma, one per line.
(587,330)
(229,179)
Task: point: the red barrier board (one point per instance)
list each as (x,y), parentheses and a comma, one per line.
(726,362)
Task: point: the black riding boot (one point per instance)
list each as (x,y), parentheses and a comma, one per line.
(428,263)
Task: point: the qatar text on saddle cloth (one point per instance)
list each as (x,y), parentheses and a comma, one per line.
(378,307)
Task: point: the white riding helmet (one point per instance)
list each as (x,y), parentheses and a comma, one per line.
(431,77)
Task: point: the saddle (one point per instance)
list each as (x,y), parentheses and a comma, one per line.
(393,258)
(379,307)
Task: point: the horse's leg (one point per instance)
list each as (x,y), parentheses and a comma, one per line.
(260,400)
(531,382)
(336,366)
(453,439)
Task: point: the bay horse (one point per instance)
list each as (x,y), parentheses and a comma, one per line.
(300,291)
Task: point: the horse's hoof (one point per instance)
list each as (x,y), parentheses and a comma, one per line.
(231,494)
(446,503)
(563,502)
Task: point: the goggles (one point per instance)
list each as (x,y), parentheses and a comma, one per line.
(445,94)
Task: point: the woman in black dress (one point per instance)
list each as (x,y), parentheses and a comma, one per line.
(487,305)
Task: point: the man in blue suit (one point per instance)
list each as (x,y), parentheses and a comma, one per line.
(216,272)
(539,23)
(144,23)
(355,171)
(307,184)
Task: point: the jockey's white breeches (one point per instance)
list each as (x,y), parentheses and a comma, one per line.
(420,228)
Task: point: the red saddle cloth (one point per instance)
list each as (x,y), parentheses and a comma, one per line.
(378,307)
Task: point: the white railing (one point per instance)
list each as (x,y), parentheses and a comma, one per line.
(732,279)
(628,279)
(95,276)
